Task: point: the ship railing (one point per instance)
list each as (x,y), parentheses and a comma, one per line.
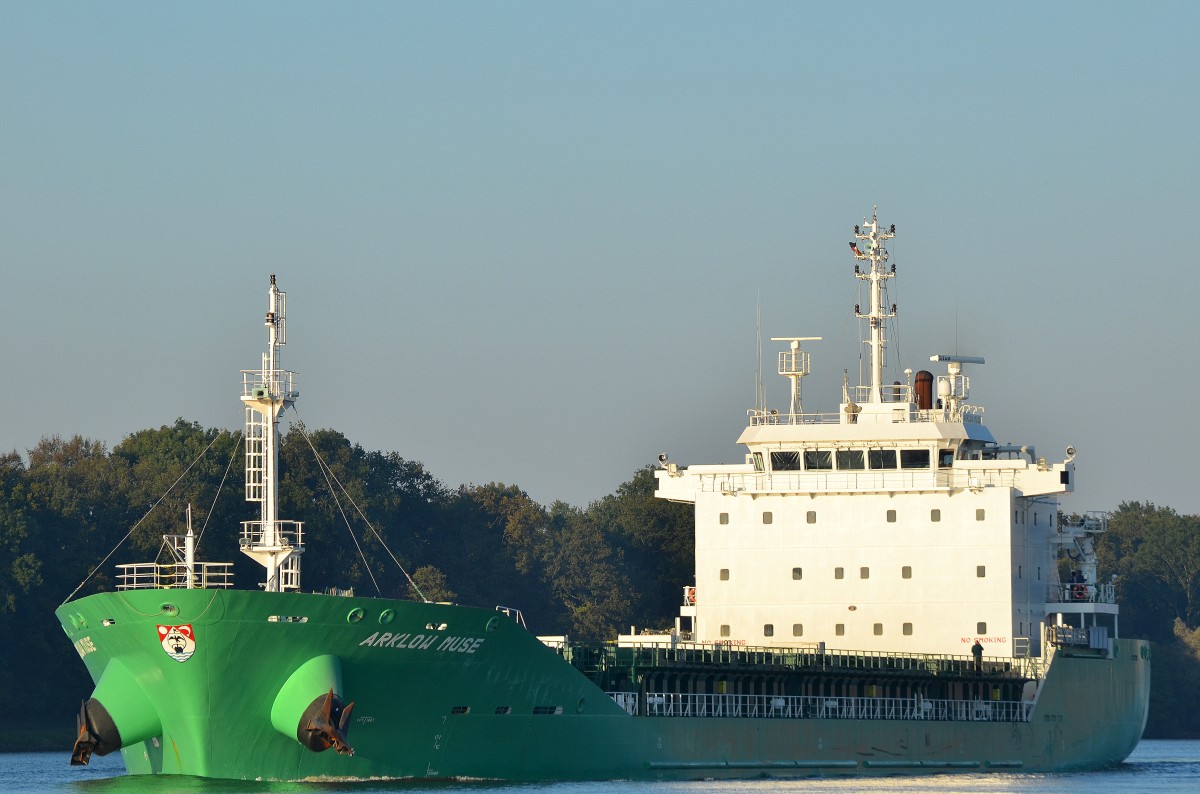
(815,657)
(855,481)
(285,535)
(1083,593)
(174,575)
(903,412)
(1093,522)
(700,705)
(280,384)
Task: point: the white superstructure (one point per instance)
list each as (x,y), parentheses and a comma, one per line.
(897,524)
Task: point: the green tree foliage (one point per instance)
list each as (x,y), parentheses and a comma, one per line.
(430,584)
(656,541)
(1156,554)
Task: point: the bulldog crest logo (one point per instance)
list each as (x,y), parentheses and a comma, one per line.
(178,641)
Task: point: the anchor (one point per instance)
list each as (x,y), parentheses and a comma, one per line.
(327,726)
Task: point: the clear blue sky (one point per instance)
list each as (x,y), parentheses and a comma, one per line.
(524,242)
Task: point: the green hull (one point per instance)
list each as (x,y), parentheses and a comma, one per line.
(446,691)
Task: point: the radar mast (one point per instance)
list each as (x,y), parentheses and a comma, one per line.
(873,252)
(274,544)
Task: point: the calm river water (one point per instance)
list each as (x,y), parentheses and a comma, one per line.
(1155,766)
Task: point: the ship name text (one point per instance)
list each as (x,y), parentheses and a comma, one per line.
(84,646)
(422,642)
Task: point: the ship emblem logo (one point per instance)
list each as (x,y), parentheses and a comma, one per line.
(178,641)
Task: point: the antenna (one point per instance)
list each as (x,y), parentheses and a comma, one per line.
(874,253)
(794,364)
(760,400)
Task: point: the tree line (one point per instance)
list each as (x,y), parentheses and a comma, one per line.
(587,572)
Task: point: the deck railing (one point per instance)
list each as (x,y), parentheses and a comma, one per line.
(672,704)
(844,481)
(801,659)
(174,575)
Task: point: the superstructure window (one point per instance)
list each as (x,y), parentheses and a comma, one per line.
(906,572)
(769,630)
(724,574)
(768,517)
(839,573)
(723,518)
(914,459)
(797,629)
(864,573)
(797,573)
(758,461)
(882,458)
(878,629)
(981,628)
(818,459)
(785,461)
(935,515)
(840,629)
(945,458)
(981,571)
(812,516)
(851,459)
(724,629)
(979,514)
(891,516)
(907,629)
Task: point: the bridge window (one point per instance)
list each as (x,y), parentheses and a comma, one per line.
(818,459)
(785,461)
(882,458)
(935,515)
(723,518)
(758,461)
(797,573)
(914,459)
(850,459)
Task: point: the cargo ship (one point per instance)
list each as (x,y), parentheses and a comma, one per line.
(882,589)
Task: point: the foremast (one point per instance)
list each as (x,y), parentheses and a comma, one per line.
(875,255)
(272,543)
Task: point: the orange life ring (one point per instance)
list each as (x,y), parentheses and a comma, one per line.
(1079,592)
